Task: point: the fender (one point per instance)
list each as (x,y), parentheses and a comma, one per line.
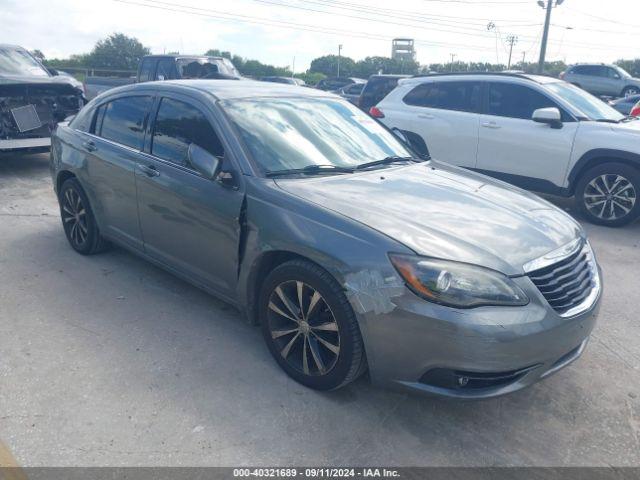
(598,155)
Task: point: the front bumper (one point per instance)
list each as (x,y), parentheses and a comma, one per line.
(491,350)
(25,143)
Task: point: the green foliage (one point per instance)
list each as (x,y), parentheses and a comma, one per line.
(250,68)
(631,66)
(117,52)
(328,65)
(38,54)
(550,68)
(311,78)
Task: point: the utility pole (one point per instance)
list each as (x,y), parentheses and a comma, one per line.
(524,55)
(545,35)
(511,40)
(453,55)
(293,67)
(339,51)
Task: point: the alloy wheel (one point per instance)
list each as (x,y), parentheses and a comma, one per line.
(74,217)
(610,196)
(303,328)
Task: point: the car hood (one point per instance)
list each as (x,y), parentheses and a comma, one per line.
(631,126)
(60,81)
(445,212)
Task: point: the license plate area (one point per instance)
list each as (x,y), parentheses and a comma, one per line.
(26,118)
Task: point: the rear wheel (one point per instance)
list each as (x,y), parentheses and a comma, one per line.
(630,91)
(78,220)
(310,327)
(608,194)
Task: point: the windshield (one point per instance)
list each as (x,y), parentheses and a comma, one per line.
(622,72)
(15,61)
(291,133)
(204,68)
(591,107)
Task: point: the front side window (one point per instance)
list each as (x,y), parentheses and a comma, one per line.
(458,96)
(611,73)
(288,133)
(591,107)
(123,120)
(516,101)
(177,126)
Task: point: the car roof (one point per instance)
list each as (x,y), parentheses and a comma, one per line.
(183,56)
(541,79)
(230,89)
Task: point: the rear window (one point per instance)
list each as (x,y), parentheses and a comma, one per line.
(458,96)
(123,120)
(146,70)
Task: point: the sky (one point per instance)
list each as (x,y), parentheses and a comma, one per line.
(279,31)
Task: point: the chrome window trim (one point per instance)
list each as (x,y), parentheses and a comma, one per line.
(554,256)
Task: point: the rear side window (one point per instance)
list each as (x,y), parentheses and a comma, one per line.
(146,70)
(458,96)
(166,69)
(593,70)
(376,89)
(516,101)
(178,125)
(123,120)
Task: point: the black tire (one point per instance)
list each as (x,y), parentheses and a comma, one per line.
(630,90)
(598,185)
(310,340)
(78,220)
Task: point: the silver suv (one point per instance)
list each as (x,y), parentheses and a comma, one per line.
(600,79)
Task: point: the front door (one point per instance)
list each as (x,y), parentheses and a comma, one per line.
(514,148)
(189,222)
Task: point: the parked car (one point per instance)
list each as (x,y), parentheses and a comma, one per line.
(376,88)
(32,101)
(635,111)
(287,80)
(625,104)
(351,92)
(451,282)
(536,132)
(168,67)
(600,79)
(336,83)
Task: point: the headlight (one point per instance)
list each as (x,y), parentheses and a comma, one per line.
(457,284)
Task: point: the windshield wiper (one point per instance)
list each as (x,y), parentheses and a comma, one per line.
(607,120)
(310,170)
(387,161)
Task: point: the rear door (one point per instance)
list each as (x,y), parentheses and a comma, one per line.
(446,115)
(189,222)
(113,150)
(515,148)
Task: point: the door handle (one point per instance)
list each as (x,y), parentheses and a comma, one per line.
(426,116)
(89,146)
(148,170)
(490,125)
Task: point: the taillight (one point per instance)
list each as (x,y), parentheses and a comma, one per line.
(635,111)
(375,112)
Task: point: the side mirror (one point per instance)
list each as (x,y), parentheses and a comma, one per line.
(202,161)
(550,116)
(414,142)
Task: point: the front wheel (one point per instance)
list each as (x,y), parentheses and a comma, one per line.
(630,91)
(310,327)
(608,194)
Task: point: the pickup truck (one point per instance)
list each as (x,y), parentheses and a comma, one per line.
(166,67)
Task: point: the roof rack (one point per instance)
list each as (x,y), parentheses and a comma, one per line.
(526,76)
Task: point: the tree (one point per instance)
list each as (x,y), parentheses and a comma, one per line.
(372,65)
(329,66)
(38,54)
(631,66)
(117,52)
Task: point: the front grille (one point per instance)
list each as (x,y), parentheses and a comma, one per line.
(568,282)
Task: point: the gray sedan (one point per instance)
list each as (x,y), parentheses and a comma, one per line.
(349,250)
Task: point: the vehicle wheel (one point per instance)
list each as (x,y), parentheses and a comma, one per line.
(310,327)
(630,91)
(78,220)
(608,194)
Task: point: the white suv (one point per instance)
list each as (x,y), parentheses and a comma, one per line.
(536,132)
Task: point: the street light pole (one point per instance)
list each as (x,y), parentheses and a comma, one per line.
(453,55)
(545,35)
(511,40)
(339,51)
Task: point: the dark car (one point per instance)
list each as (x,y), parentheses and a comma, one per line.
(170,67)
(625,104)
(377,87)
(351,92)
(33,100)
(336,83)
(322,226)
